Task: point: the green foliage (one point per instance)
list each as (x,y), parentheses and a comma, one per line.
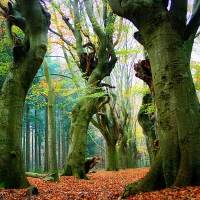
(2,185)
(148,105)
(110,28)
(5,57)
(149,108)
(128,51)
(196,75)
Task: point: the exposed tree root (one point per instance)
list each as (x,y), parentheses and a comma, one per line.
(154,180)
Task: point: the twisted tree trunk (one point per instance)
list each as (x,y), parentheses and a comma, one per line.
(34,21)
(95,69)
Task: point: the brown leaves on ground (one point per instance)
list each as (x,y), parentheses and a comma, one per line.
(102,185)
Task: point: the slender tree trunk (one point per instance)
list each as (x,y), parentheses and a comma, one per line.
(32,149)
(122,152)
(27,138)
(58,128)
(24,143)
(63,142)
(46,155)
(51,126)
(40,149)
(36,141)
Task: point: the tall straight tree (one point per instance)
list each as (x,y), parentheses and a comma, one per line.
(168,39)
(51,126)
(28,54)
(27,137)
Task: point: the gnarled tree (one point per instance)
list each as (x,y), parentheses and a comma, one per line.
(146,114)
(168,39)
(96,61)
(28,54)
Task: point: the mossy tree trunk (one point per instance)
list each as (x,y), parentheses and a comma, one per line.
(168,41)
(109,125)
(148,127)
(111,161)
(103,63)
(127,150)
(34,21)
(123,153)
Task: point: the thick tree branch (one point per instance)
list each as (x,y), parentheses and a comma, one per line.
(66,20)
(193,24)
(117,7)
(139,38)
(97,28)
(77,33)
(179,9)
(105,9)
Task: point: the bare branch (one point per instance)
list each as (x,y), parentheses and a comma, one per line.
(62,38)
(99,32)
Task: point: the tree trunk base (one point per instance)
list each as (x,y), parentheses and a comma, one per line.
(77,173)
(112,169)
(154,180)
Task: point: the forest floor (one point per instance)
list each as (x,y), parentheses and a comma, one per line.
(102,185)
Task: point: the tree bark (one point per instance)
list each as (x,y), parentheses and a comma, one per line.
(110,128)
(81,116)
(36,142)
(86,108)
(34,24)
(148,126)
(51,127)
(111,155)
(46,154)
(177,162)
(27,137)
(123,153)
